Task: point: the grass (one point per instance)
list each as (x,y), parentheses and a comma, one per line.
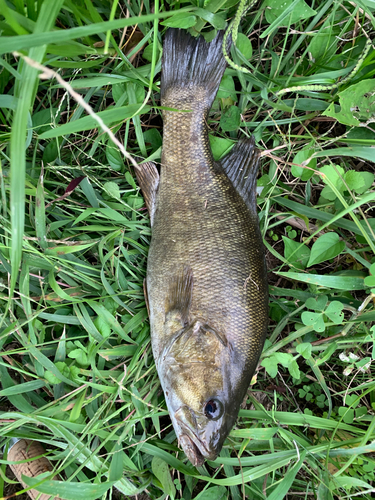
(76,365)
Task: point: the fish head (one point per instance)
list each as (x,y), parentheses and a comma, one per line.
(196,372)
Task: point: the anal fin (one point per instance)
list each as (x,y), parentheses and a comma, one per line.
(241,167)
(148,180)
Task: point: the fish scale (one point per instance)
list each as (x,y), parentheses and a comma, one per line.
(206,272)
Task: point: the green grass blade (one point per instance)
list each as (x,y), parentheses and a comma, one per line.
(11,44)
(283,488)
(26,94)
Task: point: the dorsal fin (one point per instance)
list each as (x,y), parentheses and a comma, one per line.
(241,167)
(148,180)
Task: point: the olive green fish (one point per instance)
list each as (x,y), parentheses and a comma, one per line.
(206,272)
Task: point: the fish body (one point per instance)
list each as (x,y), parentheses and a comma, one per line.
(206,272)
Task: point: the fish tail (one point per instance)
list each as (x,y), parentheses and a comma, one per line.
(190,62)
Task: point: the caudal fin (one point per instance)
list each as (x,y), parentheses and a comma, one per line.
(190,62)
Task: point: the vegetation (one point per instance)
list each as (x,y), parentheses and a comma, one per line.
(76,365)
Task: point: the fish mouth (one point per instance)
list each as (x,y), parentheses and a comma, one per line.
(193,447)
(191,450)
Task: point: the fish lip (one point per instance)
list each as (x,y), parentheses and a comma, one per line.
(194,443)
(191,450)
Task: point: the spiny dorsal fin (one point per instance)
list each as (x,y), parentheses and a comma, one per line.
(148,180)
(241,167)
(181,293)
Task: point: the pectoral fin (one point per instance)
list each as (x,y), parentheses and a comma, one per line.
(181,294)
(241,167)
(148,180)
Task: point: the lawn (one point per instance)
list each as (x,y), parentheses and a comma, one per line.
(76,368)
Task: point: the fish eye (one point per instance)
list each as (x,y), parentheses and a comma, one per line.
(213,409)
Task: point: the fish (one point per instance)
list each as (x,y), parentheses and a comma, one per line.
(206,278)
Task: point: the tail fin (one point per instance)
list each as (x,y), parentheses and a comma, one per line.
(191,62)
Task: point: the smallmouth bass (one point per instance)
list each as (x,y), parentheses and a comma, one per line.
(206,273)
